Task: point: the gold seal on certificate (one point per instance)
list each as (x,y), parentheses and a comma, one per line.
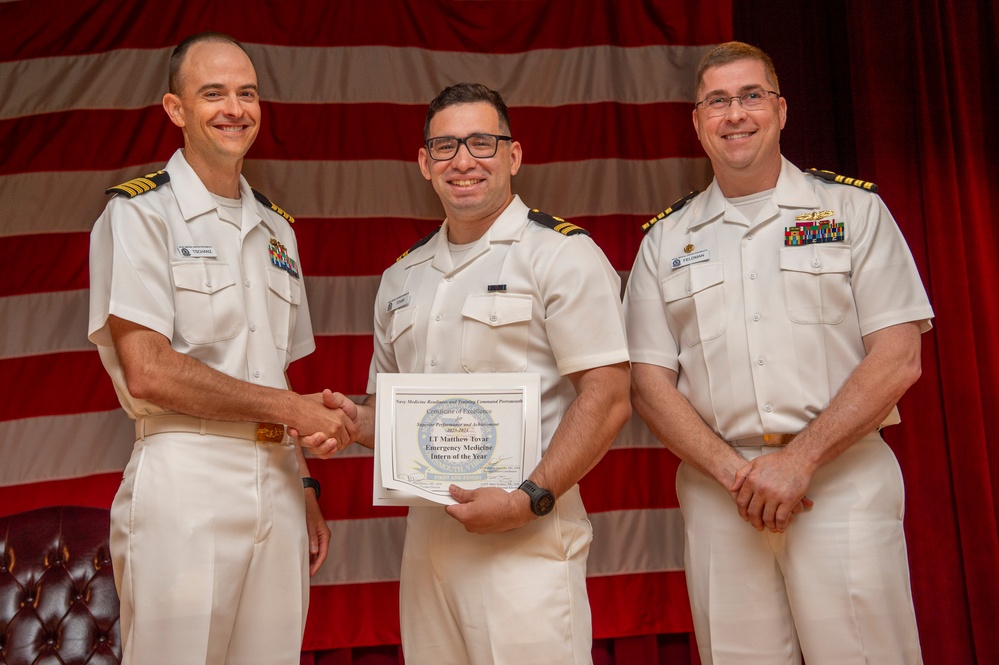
(438,430)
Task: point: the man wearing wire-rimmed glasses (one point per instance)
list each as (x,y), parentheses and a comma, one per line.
(774,321)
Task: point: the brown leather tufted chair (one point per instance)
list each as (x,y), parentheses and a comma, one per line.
(58,603)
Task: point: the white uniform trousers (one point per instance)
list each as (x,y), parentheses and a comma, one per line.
(834,586)
(509,598)
(209,548)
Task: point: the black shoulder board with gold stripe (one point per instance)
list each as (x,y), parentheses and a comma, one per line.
(273,206)
(556,223)
(669,211)
(419,243)
(843,180)
(137,186)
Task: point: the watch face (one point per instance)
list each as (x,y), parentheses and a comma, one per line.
(545,503)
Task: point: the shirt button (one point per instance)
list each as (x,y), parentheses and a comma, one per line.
(448,278)
(752,275)
(493,318)
(247,282)
(756,317)
(689,288)
(253,327)
(256,373)
(208,284)
(438,317)
(768,408)
(749,236)
(816,263)
(433,362)
(760,361)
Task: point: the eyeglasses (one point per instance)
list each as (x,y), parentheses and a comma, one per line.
(480,146)
(715,106)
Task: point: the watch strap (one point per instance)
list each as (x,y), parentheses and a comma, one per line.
(313,483)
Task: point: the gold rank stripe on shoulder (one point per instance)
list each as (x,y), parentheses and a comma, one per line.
(844,180)
(669,211)
(556,223)
(419,243)
(137,186)
(273,206)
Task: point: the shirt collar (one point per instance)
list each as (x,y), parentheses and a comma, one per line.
(792,191)
(194,199)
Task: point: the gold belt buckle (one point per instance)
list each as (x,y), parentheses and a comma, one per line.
(270,432)
(777,440)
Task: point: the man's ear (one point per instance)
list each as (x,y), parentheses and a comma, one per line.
(174,109)
(423,159)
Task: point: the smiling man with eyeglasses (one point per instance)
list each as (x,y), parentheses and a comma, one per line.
(500,577)
(774,321)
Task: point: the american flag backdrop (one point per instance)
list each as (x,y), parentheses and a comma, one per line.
(600,94)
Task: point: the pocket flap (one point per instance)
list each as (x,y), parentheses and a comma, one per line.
(498,309)
(694,278)
(284,286)
(815,259)
(402,320)
(202,276)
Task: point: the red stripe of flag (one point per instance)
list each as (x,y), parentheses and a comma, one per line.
(499,26)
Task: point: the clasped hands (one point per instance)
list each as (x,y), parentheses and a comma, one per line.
(770,490)
(329,424)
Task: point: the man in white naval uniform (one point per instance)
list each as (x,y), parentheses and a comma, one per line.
(198,307)
(500,577)
(774,321)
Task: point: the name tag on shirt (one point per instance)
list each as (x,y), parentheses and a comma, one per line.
(687,259)
(197,251)
(396,303)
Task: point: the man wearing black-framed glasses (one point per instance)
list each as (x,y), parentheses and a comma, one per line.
(500,576)
(774,321)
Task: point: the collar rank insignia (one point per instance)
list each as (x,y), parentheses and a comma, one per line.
(280,258)
(555,223)
(669,211)
(273,206)
(137,186)
(843,180)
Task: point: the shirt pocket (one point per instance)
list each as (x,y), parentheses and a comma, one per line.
(402,339)
(496,331)
(284,295)
(816,281)
(208,304)
(695,298)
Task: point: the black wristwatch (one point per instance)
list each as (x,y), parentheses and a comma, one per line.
(542,500)
(311,482)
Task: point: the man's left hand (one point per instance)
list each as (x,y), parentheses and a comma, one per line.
(490,509)
(319,532)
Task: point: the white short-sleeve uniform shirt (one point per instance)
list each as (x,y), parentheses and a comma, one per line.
(762,335)
(524,298)
(230,296)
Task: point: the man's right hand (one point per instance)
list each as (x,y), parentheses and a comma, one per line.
(335,431)
(330,421)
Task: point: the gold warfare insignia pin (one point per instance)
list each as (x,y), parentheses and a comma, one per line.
(814,216)
(688,249)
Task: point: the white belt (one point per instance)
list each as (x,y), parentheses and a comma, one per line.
(175,422)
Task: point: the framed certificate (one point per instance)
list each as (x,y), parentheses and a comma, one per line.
(470,430)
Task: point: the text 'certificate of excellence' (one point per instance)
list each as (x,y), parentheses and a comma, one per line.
(437,430)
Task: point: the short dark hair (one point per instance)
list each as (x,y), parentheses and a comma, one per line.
(731,52)
(467,93)
(177,57)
